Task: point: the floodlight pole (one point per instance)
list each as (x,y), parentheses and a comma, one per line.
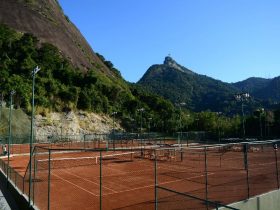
(141,111)
(149,127)
(34,72)
(219,124)
(242,97)
(114,113)
(10,134)
(1,104)
(243,121)
(180,115)
(261,110)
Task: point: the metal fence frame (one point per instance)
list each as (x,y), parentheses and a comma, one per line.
(21,183)
(246,167)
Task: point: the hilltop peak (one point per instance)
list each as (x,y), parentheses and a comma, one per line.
(170,62)
(174,81)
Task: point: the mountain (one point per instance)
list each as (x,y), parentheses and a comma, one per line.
(261,89)
(270,92)
(46,20)
(179,84)
(37,32)
(72,77)
(267,90)
(200,92)
(252,84)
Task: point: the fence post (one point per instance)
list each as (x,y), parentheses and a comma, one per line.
(100,181)
(206,175)
(84,139)
(16,179)
(34,172)
(107,138)
(245,147)
(156,198)
(22,178)
(276,163)
(49,181)
(181,153)
(141,143)
(187,139)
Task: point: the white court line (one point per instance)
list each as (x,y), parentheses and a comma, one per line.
(131,175)
(75,185)
(124,173)
(260,164)
(187,169)
(144,165)
(133,189)
(113,169)
(88,180)
(225,159)
(148,186)
(257,164)
(92,181)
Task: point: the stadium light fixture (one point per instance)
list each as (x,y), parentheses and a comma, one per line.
(1,106)
(10,133)
(219,125)
(141,110)
(180,105)
(149,121)
(261,111)
(114,114)
(34,72)
(242,97)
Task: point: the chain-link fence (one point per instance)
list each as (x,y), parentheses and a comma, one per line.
(90,179)
(146,177)
(19,144)
(219,174)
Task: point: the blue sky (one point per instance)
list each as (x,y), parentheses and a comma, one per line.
(229,40)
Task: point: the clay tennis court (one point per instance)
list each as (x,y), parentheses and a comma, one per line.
(128,178)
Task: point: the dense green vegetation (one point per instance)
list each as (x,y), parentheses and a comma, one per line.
(252,84)
(59,85)
(62,87)
(200,92)
(197,91)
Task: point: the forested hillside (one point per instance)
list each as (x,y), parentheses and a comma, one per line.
(252,84)
(62,87)
(46,20)
(179,84)
(73,77)
(201,93)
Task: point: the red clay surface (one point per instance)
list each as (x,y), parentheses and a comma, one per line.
(130,184)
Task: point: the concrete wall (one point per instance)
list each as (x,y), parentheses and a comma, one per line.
(267,201)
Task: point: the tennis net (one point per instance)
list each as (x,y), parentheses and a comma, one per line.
(94,159)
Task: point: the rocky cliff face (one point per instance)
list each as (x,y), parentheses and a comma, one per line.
(46,20)
(73,124)
(169,62)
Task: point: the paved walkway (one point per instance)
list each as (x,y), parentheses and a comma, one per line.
(3,203)
(7,201)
